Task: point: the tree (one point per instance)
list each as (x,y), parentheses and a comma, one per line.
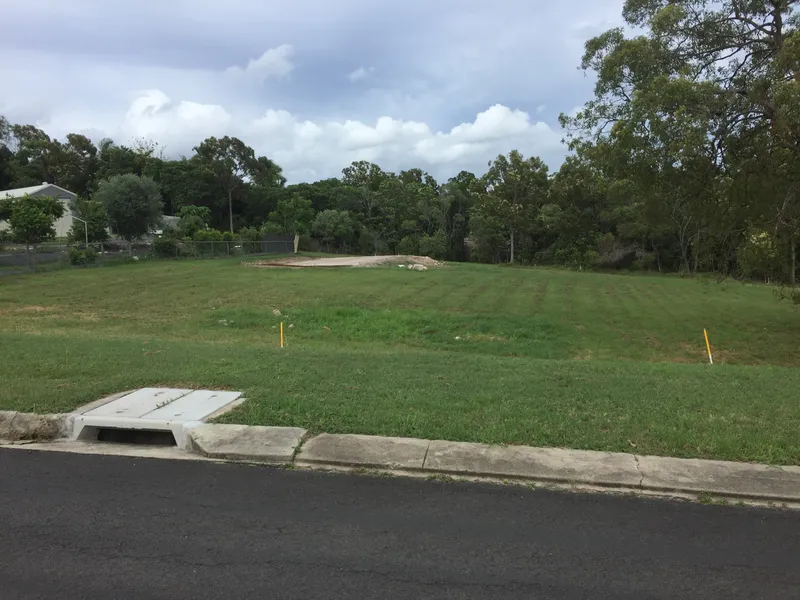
(113,159)
(33,156)
(74,164)
(31,219)
(230,160)
(456,198)
(93,212)
(193,219)
(133,204)
(6,155)
(701,110)
(334,227)
(293,215)
(515,188)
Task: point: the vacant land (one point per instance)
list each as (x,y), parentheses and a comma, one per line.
(465,352)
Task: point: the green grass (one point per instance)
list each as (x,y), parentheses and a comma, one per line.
(468,352)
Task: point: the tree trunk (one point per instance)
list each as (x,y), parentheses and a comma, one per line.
(230,208)
(512,246)
(130,248)
(793,262)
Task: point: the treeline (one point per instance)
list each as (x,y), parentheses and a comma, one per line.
(685,161)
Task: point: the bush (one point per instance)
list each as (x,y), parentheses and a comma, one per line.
(82,257)
(210,242)
(207,235)
(165,247)
(250,237)
(249,234)
(408,245)
(434,245)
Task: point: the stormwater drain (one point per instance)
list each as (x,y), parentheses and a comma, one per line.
(153,416)
(136,436)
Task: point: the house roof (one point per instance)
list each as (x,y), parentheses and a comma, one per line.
(26,191)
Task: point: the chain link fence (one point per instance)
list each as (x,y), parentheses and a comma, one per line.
(18,258)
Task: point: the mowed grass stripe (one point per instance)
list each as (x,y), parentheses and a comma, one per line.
(470,352)
(735,413)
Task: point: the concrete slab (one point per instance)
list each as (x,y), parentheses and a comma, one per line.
(364,451)
(721,478)
(153,409)
(138,403)
(194,406)
(543,464)
(242,442)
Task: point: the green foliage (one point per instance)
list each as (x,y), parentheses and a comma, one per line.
(408,245)
(434,245)
(133,204)
(487,237)
(292,215)
(190,225)
(96,217)
(208,235)
(514,189)
(165,247)
(758,256)
(250,234)
(193,219)
(31,219)
(201,212)
(82,256)
(228,161)
(334,228)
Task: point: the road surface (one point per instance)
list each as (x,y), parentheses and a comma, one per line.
(80,526)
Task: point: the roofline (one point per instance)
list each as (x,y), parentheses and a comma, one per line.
(4,193)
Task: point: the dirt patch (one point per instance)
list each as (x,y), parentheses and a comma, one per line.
(347,261)
(30,308)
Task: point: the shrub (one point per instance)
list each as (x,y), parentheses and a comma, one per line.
(434,245)
(165,247)
(82,257)
(250,237)
(408,245)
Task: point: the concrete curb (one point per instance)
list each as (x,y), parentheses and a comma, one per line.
(17,426)
(654,475)
(275,445)
(596,470)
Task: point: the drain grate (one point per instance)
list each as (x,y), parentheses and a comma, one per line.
(150,415)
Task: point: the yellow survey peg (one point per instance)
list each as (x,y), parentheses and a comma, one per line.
(708,347)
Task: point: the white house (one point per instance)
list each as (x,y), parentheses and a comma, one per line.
(64,224)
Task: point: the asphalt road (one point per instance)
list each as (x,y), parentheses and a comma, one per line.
(81,527)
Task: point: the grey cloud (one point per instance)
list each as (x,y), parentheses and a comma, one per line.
(437,63)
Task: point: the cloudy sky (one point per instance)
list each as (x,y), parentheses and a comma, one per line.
(443,85)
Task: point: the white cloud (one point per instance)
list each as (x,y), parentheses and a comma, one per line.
(275,62)
(308,150)
(172,124)
(450,100)
(359,74)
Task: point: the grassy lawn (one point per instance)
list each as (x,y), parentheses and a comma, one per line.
(468,352)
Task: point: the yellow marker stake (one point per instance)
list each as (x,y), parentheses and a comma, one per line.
(282,334)
(708,345)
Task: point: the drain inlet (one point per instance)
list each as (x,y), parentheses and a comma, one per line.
(141,437)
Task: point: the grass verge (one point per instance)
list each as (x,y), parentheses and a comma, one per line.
(730,412)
